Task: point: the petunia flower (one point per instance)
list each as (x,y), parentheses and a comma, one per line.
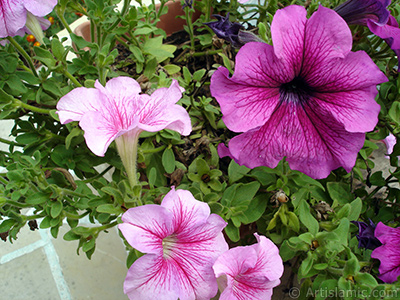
(181,240)
(359,12)
(249,272)
(120,112)
(366,238)
(390,32)
(20,16)
(231,32)
(375,15)
(307,98)
(388,253)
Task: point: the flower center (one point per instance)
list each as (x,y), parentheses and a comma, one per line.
(168,244)
(297,91)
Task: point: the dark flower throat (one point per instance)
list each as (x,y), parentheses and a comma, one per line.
(297,91)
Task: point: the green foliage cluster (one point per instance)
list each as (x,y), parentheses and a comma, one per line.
(52,176)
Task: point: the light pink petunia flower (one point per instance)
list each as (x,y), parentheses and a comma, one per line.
(19,16)
(307,98)
(249,272)
(388,253)
(390,142)
(105,113)
(181,240)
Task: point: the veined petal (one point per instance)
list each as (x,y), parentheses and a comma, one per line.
(159,111)
(312,141)
(326,37)
(40,8)
(99,133)
(77,102)
(288,34)
(144,227)
(187,212)
(151,277)
(388,253)
(12,17)
(253,90)
(252,271)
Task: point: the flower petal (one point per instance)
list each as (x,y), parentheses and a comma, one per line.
(187,212)
(252,90)
(310,138)
(360,11)
(12,17)
(77,102)
(159,111)
(326,37)
(388,253)
(347,88)
(151,277)
(289,22)
(390,31)
(99,133)
(145,226)
(40,8)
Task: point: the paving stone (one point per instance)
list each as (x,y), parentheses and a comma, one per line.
(100,278)
(24,238)
(28,277)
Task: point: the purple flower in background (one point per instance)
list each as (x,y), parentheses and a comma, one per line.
(390,32)
(307,98)
(360,11)
(20,16)
(181,240)
(365,237)
(374,14)
(388,253)
(187,3)
(249,272)
(232,32)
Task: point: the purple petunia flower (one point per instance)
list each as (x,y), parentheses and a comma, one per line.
(307,98)
(232,32)
(375,15)
(366,238)
(20,16)
(181,240)
(249,272)
(388,253)
(360,11)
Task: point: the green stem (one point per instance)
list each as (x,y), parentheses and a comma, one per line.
(24,54)
(64,22)
(71,193)
(75,217)
(33,108)
(208,52)
(17,204)
(72,78)
(98,175)
(10,142)
(155,150)
(122,42)
(34,217)
(2,180)
(118,20)
(189,17)
(105,227)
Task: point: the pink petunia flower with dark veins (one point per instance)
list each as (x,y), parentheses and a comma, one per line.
(181,240)
(307,98)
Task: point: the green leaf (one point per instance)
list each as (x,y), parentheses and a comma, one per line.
(340,192)
(89,245)
(236,172)
(37,198)
(377,179)
(172,69)
(70,236)
(56,209)
(6,225)
(307,218)
(44,56)
(110,209)
(356,207)
(76,131)
(306,266)
(168,160)
(245,193)
(255,209)
(394,112)
(232,232)
(57,48)
(227,62)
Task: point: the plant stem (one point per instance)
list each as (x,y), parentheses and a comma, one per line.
(208,52)
(71,193)
(104,227)
(75,217)
(10,142)
(17,204)
(155,150)
(33,108)
(64,22)
(2,180)
(24,54)
(189,18)
(71,77)
(98,175)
